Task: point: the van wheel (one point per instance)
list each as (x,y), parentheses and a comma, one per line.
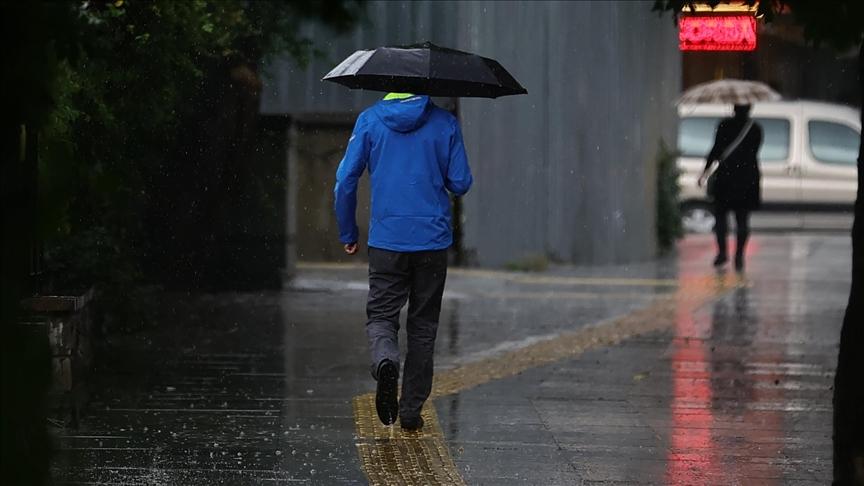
(697,217)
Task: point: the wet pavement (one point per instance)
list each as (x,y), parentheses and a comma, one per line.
(658,373)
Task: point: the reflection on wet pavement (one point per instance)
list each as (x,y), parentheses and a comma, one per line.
(661,373)
(382,451)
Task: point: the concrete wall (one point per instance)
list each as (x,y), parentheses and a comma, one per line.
(316,149)
(290,88)
(572,162)
(565,173)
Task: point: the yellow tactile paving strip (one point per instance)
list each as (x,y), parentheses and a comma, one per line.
(390,456)
(527,278)
(523,278)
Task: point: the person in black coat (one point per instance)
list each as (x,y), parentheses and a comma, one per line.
(735,185)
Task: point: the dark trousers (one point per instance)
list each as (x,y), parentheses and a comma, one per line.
(721,228)
(395,278)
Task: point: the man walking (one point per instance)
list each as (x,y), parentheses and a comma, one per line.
(414,153)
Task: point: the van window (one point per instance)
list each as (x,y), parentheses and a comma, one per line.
(696,137)
(775,139)
(833,143)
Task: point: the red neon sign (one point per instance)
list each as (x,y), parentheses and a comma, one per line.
(717,33)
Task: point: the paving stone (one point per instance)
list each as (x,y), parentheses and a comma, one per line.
(260,388)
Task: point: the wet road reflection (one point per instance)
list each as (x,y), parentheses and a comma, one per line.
(737,391)
(745,380)
(647,374)
(691,458)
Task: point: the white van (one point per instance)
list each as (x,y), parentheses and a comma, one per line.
(808,156)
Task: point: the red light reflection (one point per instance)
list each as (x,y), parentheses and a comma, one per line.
(691,458)
(714,429)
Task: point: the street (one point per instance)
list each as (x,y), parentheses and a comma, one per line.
(657,373)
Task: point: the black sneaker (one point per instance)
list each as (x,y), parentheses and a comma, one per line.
(739,263)
(386,403)
(412,423)
(720,260)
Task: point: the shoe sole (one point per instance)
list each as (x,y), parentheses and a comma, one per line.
(386,403)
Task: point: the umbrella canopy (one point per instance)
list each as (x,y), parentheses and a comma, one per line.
(729,91)
(425,69)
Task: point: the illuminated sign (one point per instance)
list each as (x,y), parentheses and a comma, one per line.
(717,33)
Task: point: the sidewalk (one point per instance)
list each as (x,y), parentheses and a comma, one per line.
(661,373)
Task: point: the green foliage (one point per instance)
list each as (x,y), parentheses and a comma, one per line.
(36,36)
(111,86)
(93,255)
(669,227)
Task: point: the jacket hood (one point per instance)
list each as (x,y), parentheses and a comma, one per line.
(404,115)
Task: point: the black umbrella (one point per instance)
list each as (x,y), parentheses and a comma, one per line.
(425,69)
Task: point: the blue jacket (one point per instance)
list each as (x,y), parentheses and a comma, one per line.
(414,153)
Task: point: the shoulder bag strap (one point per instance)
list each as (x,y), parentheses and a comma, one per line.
(735,143)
